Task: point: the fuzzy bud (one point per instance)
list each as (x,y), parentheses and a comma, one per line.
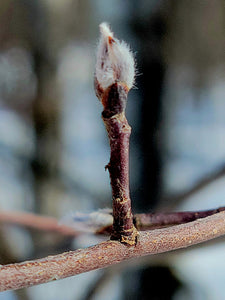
(115,62)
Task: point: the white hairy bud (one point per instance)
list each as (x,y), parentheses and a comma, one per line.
(115,61)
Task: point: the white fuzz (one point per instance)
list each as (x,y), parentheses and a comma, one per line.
(89,222)
(115,61)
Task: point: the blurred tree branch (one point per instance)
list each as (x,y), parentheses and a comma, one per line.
(100,283)
(197,187)
(34,221)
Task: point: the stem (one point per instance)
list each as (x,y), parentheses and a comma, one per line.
(159,220)
(37,222)
(15,276)
(114,102)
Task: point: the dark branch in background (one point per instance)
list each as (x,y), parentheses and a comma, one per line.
(197,187)
(99,284)
(150,33)
(113,79)
(108,253)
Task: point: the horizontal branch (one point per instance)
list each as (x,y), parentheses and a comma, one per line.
(34,221)
(158,220)
(26,274)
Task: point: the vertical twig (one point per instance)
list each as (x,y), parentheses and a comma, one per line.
(119,134)
(113,78)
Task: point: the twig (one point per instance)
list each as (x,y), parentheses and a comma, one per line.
(113,79)
(201,184)
(37,222)
(108,253)
(158,220)
(119,133)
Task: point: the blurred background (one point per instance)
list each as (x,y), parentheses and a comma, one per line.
(53,145)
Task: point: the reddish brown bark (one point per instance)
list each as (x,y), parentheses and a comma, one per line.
(113,115)
(158,220)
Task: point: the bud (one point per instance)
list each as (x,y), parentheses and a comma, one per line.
(115,62)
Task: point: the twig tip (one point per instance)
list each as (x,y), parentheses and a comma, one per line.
(105,29)
(114,63)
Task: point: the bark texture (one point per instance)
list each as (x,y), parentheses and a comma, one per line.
(114,102)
